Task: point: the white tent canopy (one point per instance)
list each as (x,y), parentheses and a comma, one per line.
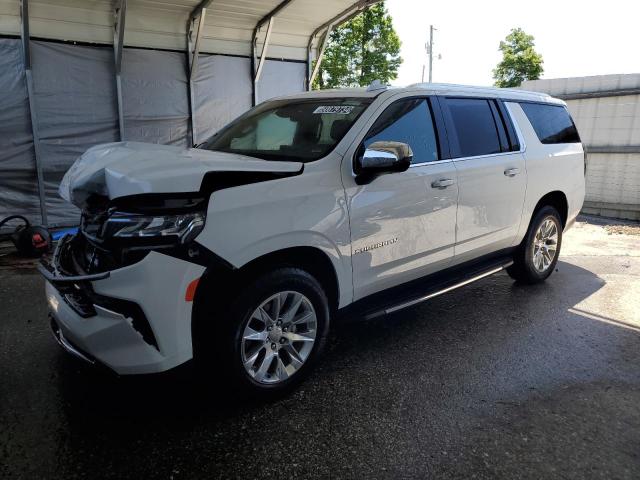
(162,24)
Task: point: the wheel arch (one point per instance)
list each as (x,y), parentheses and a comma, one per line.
(310,259)
(219,281)
(556,199)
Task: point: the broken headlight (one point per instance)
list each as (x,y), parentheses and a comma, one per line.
(122,232)
(166,229)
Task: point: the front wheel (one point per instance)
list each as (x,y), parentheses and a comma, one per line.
(274,332)
(278,337)
(538,254)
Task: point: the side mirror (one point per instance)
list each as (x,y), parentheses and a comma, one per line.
(383,157)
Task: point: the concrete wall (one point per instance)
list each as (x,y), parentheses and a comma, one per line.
(606,110)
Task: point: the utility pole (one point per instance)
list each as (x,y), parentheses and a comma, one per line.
(431,29)
(429,49)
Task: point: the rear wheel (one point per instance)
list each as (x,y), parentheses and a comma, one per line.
(537,256)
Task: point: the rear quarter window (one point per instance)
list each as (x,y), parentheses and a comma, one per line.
(552,123)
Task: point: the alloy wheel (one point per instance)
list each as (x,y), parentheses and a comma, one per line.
(279,336)
(545,245)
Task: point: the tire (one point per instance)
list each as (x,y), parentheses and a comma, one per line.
(534,260)
(279,354)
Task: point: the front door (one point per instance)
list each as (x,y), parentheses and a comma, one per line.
(402,224)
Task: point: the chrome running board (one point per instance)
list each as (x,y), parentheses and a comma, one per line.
(436,293)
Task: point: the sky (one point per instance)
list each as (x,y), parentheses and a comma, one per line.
(575,38)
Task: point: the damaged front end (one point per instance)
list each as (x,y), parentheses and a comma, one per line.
(122,289)
(114,234)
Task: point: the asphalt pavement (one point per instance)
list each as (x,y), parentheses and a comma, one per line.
(494,380)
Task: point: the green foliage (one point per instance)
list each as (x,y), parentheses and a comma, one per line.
(520,61)
(364,49)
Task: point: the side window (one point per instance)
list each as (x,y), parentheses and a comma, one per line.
(475,126)
(408,121)
(552,123)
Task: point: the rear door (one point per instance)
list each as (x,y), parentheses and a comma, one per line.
(402,227)
(491,171)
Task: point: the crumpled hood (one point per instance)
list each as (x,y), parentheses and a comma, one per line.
(129,168)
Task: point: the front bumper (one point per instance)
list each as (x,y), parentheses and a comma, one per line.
(64,343)
(134,320)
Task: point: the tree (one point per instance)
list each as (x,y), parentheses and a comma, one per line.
(364,49)
(520,61)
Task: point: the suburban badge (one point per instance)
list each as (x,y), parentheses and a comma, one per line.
(375,245)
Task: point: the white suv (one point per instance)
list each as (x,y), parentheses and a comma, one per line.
(238,252)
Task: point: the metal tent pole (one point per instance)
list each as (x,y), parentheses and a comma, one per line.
(257,65)
(329,25)
(26,55)
(316,67)
(195,27)
(118,38)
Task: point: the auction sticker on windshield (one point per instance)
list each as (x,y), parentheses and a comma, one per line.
(337,109)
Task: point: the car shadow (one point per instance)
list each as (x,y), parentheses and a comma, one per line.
(184,387)
(88,389)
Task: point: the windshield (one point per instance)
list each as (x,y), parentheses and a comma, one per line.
(296,130)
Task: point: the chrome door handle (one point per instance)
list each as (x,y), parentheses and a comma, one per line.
(442,183)
(512,172)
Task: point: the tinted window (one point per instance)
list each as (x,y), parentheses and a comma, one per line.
(301,130)
(475,126)
(552,123)
(408,121)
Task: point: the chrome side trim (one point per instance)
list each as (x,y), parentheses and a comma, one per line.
(435,162)
(500,154)
(445,290)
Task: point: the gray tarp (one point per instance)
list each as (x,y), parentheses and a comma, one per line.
(222,87)
(76,108)
(281,78)
(154,97)
(18,184)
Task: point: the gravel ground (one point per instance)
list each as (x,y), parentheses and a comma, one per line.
(623,229)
